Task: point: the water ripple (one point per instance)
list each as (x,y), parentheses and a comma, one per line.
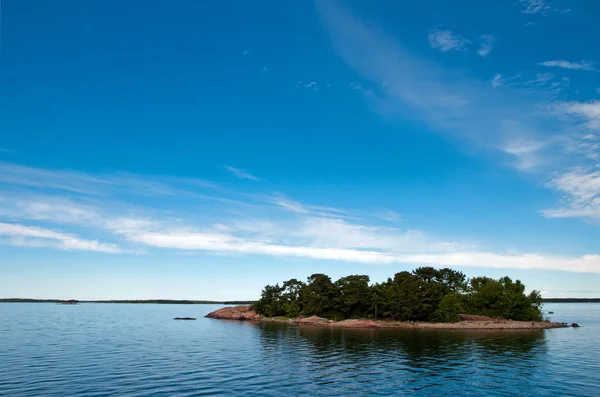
(137,350)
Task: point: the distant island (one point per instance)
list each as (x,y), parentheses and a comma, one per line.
(571,300)
(426,297)
(154,301)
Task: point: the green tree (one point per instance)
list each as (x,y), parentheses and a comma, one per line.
(318,296)
(449,309)
(485,297)
(291,297)
(426,294)
(353,297)
(452,280)
(503,298)
(408,294)
(271,303)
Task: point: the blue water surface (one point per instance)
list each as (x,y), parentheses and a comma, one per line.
(139,350)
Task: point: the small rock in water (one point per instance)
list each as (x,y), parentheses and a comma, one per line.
(184,318)
(574,325)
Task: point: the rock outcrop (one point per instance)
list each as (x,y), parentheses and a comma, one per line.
(235,313)
(467,321)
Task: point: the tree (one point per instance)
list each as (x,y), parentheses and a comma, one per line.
(503,298)
(452,280)
(485,297)
(449,309)
(426,294)
(318,296)
(270,303)
(408,294)
(291,297)
(353,297)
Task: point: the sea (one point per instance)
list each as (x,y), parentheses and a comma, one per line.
(94,349)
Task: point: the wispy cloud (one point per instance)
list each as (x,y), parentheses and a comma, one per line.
(6,151)
(389,216)
(361,239)
(540,7)
(541,84)
(97,185)
(588,111)
(297,230)
(497,81)
(445,99)
(289,205)
(294,206)
(445,40)
(581,190)
(534,6)
(485,45)
(580,185)
(29,236)
(241,174)
(561,63)
(526,152)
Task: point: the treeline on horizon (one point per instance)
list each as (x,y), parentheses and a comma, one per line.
(139,301)
(425,294)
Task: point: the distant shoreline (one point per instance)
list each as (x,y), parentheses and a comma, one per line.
(206,302)
(571,300)
(144,301)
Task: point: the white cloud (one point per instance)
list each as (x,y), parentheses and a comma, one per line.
(6,151)
(589,111)
(581,190)
(497,81)
(223,243)
(540,84)
(561,63)
(485,45)
(526,153)
(21,235)
(389,216)
(447,100)
(303,235)
(98,185)
(289,205)
(540,7)
(534,6)
(445,40)
(42,208)
(241,174)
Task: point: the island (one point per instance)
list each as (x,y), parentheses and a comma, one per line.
(426,298)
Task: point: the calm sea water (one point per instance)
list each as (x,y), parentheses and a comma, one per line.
(138,350)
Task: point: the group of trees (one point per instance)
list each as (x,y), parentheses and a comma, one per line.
(425,294)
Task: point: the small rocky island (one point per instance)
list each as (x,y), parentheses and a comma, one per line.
(245,313)
(426,298)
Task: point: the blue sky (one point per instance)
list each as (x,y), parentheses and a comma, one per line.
(204,149)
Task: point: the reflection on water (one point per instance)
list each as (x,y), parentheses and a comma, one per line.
(414,361)
(138,350)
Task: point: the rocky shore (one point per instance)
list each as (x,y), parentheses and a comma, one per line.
(245,313)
